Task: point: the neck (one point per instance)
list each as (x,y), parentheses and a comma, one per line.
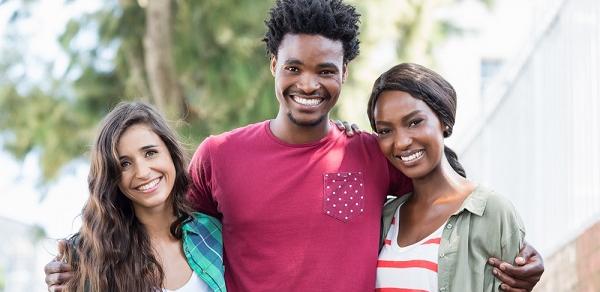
(157,221)
(442,185)
(291,133)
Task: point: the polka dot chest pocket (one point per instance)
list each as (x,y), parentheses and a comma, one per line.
(344,196)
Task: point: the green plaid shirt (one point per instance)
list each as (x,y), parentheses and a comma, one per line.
(203,248)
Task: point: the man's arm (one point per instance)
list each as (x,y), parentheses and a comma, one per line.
(200,172)
(522,276)
(58,272)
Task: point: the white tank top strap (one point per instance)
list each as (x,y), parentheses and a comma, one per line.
(194,284)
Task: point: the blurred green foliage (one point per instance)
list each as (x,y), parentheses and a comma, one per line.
(220,62)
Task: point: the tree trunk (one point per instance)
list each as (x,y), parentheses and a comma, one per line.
(166,91)
(136,84)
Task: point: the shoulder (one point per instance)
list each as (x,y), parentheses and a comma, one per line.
(393,203)
(204,234)
(364,144)
(201,221)
(499,211)
(495,203)
(239,136)
(365,138)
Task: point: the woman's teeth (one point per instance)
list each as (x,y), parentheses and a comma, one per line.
(149,185)
(412,157)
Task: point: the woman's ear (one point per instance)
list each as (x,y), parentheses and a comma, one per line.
(446,130)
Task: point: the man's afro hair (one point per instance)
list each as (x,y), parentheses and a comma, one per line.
(330,18)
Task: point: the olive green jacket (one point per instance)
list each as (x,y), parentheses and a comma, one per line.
(486,225)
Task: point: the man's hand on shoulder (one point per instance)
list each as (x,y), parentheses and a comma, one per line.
(348,129)
(57,272)
(524,274)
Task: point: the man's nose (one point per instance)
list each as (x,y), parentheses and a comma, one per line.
(309,83)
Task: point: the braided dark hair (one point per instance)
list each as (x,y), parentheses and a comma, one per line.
(426,85)
(330,18)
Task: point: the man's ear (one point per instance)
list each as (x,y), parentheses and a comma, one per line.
(273,64)
(344,72)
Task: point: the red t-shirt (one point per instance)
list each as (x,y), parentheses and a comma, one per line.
(295,217)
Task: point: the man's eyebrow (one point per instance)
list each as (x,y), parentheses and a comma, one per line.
(328,65)
(292,62)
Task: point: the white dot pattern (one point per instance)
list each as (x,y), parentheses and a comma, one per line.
(348,199)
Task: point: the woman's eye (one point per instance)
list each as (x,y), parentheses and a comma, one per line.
(414,123)
(151,153)
(382,132)
(125,164)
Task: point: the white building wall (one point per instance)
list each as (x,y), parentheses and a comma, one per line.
(538,138)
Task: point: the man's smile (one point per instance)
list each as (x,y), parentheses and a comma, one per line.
(312,101)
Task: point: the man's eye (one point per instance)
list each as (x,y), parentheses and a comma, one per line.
(292,69)
(327,72)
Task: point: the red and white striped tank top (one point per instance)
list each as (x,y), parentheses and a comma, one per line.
(411,268)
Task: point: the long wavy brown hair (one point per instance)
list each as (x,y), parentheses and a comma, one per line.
(112,251)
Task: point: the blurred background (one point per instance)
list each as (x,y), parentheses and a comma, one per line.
(527,75)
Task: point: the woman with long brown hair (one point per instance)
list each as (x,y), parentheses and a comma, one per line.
(138,234)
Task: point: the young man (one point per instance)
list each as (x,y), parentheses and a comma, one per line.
(300,202)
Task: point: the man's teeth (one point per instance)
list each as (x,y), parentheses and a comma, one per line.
(413,156)
(307,101)
(149,185)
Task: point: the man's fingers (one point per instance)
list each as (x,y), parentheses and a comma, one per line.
(57,273)
(56,267)
(525,253)
(494,262)
(56,288)
(349,130)
(58,279)
(530,270)
(339,125)
(511,282)
(507,288)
